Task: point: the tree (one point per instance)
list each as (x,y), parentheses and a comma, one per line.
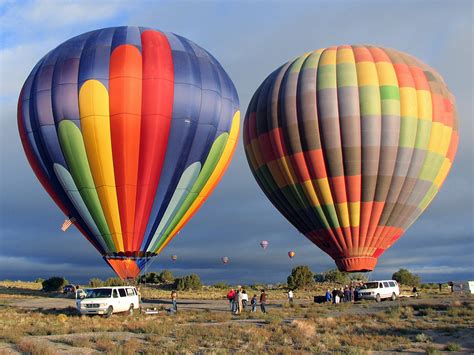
(405,277)
(166,277)
(95,282)
(55,283)
(301,276)
(336,276)
(189,282)
(114,281)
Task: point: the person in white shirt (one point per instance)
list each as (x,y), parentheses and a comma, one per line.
(245,299)
(290,296)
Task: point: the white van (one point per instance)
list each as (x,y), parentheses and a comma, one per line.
(378,290)
(108,300)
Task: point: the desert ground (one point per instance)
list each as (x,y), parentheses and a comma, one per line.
(33,321)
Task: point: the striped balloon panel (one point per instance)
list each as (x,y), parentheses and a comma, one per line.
(129,130)
(351,144)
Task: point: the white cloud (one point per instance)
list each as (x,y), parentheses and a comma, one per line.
(55,14)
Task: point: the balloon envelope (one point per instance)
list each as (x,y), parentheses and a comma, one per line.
(264,244)
(291,254)
(129,130)
(225,259)
(351,144)
(174,257)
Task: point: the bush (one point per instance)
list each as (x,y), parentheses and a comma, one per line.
(39,280)
(405,277)
(301,276)
(221,285)
(150,277)
(114,281)
(189,282)
(166,277)
(453,347)
(95,282)
(55,283)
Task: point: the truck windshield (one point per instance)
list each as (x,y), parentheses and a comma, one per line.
(370,285)
(99,293)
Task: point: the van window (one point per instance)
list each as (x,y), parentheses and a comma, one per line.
(386,284)
(122,292)
(380,285)
(115,293)
(392,284)
(129,291)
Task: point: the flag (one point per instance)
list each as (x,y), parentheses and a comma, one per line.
(67,223)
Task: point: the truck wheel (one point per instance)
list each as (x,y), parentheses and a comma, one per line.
(130,310)
(110,310)
(377,298)
(394,297)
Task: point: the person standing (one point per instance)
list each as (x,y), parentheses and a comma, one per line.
(253,303)
(174,296)
(334,296)
(230,297)
(245,299)
(290,297)
(238,301)
(263,301)
(328,296)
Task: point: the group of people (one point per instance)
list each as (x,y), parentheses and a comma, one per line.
(344,294)
(239,300)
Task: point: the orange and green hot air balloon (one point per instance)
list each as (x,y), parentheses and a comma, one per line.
(351,144)
(129,130)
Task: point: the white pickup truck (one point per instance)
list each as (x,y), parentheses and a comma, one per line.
(107,300)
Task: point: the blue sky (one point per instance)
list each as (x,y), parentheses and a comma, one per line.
(250,39)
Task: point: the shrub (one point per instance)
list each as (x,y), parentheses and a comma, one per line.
(95,282)
(422,338)
(150,277)
(55,283)
(221,285)
(114,281)
(189,282)
(453,347)
(405,277)
(301,276)
(39,280)
(166,277)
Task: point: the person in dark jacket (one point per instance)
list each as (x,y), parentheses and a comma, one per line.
(263,301)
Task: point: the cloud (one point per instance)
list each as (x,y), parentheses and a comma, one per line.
(249,44)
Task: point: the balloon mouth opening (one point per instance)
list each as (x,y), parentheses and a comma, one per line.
(356,264)
(134,255)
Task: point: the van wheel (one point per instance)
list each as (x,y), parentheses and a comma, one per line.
(110,310)
(130,310)
(377,298)
(394,297)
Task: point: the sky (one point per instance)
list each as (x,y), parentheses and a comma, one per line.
(250,39)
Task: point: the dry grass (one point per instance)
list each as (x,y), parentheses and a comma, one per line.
(304,328)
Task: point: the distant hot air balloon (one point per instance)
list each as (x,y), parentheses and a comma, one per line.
(129,130)
(264,244)
(174,257)
(291,254)
(351,144)
(225,259)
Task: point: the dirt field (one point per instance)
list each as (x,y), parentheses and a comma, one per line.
(35,322)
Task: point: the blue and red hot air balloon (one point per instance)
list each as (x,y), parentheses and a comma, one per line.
(129,130)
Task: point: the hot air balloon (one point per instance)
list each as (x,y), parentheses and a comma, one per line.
(129,130)
(174,258)
(264,244)
(351,144)
(225,259)
(291,254)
